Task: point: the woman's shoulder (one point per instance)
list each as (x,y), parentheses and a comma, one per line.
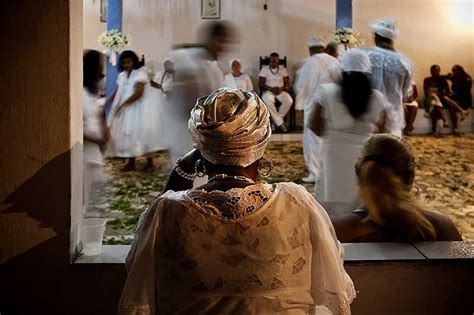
(444,226)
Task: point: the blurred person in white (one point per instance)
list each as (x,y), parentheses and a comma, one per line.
(236,79)
(197,73)
(391,72)
(274,83)
(319,68)
(164,80)
(346,115)
(233,245)
(95,129)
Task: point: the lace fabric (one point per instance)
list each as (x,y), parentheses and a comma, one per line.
(233,204)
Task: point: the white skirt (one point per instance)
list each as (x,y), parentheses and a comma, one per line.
(338,183)
(137,130)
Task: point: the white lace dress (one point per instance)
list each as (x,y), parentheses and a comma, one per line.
(258,250)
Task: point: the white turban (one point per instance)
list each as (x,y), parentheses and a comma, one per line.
(386,28)
(232,61)
(355,60)
(230,127)
(316,42)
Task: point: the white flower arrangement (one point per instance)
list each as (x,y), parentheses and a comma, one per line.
(113,39)
(348,37)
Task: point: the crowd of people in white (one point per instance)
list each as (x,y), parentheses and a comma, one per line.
(346,99)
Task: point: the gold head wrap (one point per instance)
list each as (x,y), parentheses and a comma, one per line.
(230,127)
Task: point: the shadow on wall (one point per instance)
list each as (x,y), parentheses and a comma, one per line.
(35,271)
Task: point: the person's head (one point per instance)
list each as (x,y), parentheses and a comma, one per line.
(128,61)
(332,49)
(435,71)
(385,32)
(235,66)
(93,67)
(219,37)
(458,71)
(274,60)
(356,87)
(168,65)
(385,170)
(316,45)
(231,129)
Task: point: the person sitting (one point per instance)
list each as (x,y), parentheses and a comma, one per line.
(234,246)
(345,115)
(236,79)
(389,212)
(274,81)
(436,87)
(461,86)
(411,107)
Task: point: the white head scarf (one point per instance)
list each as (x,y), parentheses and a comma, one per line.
(232,61)
(386,28)
(230,127)
(355,60)
(316,42)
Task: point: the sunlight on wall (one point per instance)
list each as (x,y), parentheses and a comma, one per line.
(461,14)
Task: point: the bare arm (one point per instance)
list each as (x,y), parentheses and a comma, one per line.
(425,87)
(262,84)
(286,82)
(315,121)
(155,84)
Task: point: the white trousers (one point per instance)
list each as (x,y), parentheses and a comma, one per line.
(277,115)
(312,151)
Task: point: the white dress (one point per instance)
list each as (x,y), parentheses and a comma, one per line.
(242,82)
(136,130)
(392,75)
(337,189)
(93,159)
(258,250)
(316,70)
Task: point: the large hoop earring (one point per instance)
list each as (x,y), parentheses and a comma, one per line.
(262,164)
(417,193)
(196,168)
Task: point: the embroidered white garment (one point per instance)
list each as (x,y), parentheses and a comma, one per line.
(258,250)
(391,74)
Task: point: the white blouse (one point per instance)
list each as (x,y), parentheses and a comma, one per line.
(242,82)
(257,250)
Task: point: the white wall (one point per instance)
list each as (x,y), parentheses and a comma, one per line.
(432,31)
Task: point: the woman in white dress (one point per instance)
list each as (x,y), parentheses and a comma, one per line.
(236,79)
(164,80)
(134,119)
(234,246)
(94,126)
(346,115)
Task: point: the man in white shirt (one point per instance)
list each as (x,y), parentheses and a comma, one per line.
(274,81)
(391,72)
(319,68)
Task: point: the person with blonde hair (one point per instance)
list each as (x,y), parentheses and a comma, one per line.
(232,245)
(389,212)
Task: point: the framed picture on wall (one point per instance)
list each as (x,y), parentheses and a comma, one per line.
(210,9)
(103,10)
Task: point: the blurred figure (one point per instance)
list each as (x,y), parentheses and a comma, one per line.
(332,48)
(134,119)
(197,73)
(436,89)
(389,212)
(391,72)
(164,80)
(345,115)
(236,79)
(95,129)
(411,107)
(319,68)
(461,86)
